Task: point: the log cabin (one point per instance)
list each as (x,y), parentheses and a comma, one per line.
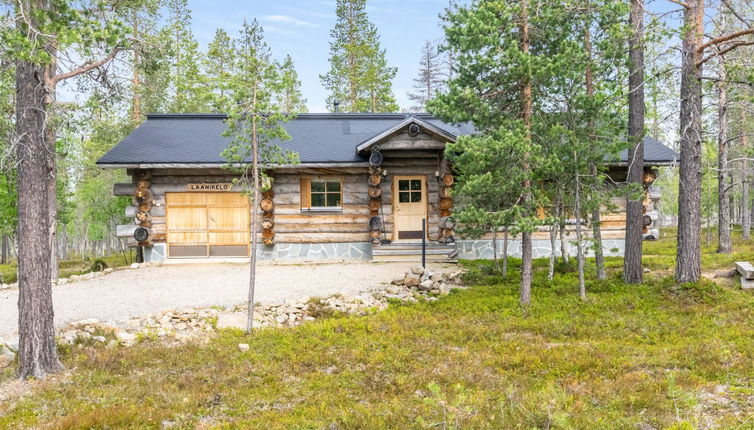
(366,187)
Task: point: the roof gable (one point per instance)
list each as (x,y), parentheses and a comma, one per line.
(425,127)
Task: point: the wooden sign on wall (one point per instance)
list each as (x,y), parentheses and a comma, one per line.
(225,186)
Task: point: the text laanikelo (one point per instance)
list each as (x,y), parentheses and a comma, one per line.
(210,187)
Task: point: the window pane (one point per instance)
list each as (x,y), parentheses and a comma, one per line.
(333,186)
(333,199)
(416,196)
(404,197)
(403,185)
(416,184)
(318,186)
(318,200)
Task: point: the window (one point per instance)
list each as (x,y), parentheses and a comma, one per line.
(409,190)
(321,194)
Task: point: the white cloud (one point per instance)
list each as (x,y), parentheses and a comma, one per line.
(288,20)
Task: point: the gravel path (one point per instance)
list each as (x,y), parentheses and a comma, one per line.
(138,292)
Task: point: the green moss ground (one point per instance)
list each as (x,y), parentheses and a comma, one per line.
(650,356)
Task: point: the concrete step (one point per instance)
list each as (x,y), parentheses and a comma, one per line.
(412,258)
(378,251)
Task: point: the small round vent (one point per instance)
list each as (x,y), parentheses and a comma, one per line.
(414,130)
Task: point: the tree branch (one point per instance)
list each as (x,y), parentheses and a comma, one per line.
(721,52)
(721,39)
(678,2)
(83,68)
(735,13)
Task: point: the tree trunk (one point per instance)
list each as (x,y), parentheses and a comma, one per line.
(5,248)
(494,249)
(688,254)
(632,269)
(505,252)
(564,248)
(526,98)
(52,179)
(255,215)
(724,207)
(38,355)
(745,178)
(599,257)
(63,244)
(553,243)
(579,239)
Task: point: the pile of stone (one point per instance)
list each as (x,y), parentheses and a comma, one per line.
(175,327)
(86,276)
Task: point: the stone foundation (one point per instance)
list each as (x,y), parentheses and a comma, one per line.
(290,251)
(482,249)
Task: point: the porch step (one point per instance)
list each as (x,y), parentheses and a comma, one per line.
(412,251)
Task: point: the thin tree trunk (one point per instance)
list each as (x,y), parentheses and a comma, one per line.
(526,98)
(599,257)
(255,215)
(688,254)
(632,269)
(553,246)
(564,248)
(724,207)
(5,250)
(52,179)
(136,84)
(505,252)
(38,355)
(745,178)
(579,241)
(494,249)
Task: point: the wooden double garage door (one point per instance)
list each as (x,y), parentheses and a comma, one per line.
(207,225)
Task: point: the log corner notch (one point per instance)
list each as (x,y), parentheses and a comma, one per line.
(447,222)
(375,195)
(268,217)
(142,200)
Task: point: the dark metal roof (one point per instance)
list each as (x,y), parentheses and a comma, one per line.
(655,153)
(317,138)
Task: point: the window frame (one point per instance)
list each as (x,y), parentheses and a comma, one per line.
(306,193)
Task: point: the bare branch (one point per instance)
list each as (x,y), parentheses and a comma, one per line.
(722,39)
(678,2)
(735,13)
(83,68)
(723,51)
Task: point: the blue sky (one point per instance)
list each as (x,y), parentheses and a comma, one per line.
(301,28)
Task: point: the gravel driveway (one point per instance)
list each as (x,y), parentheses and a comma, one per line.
(139,292)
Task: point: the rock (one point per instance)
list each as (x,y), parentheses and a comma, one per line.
(426,285)
(125,338)
(5,361)
(181,326)
(243,347)
(412,280)
(12,344)
(89,321)
(393,289)
(725,273)
(108,270)
(444,289)
(232,320)
(437,277)
(646,270)
(455,275)
(281,318)
(101,339)
(133,323)
(134,266)
(62,281)
(417,270)
(398,280)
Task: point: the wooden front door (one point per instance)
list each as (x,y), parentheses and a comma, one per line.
(207,225)
(409,207)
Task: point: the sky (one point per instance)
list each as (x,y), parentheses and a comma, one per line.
(301,28)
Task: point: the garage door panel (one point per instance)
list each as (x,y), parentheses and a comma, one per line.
(207,224)
(228,218)
(187,237)
(187,218)
(191,199)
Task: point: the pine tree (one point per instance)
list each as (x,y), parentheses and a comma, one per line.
(289,97)
(254,121)
(219,64)
(359,77)
(187,91)
(430,79)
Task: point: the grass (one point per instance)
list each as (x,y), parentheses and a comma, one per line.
(76,265)
(650,356)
